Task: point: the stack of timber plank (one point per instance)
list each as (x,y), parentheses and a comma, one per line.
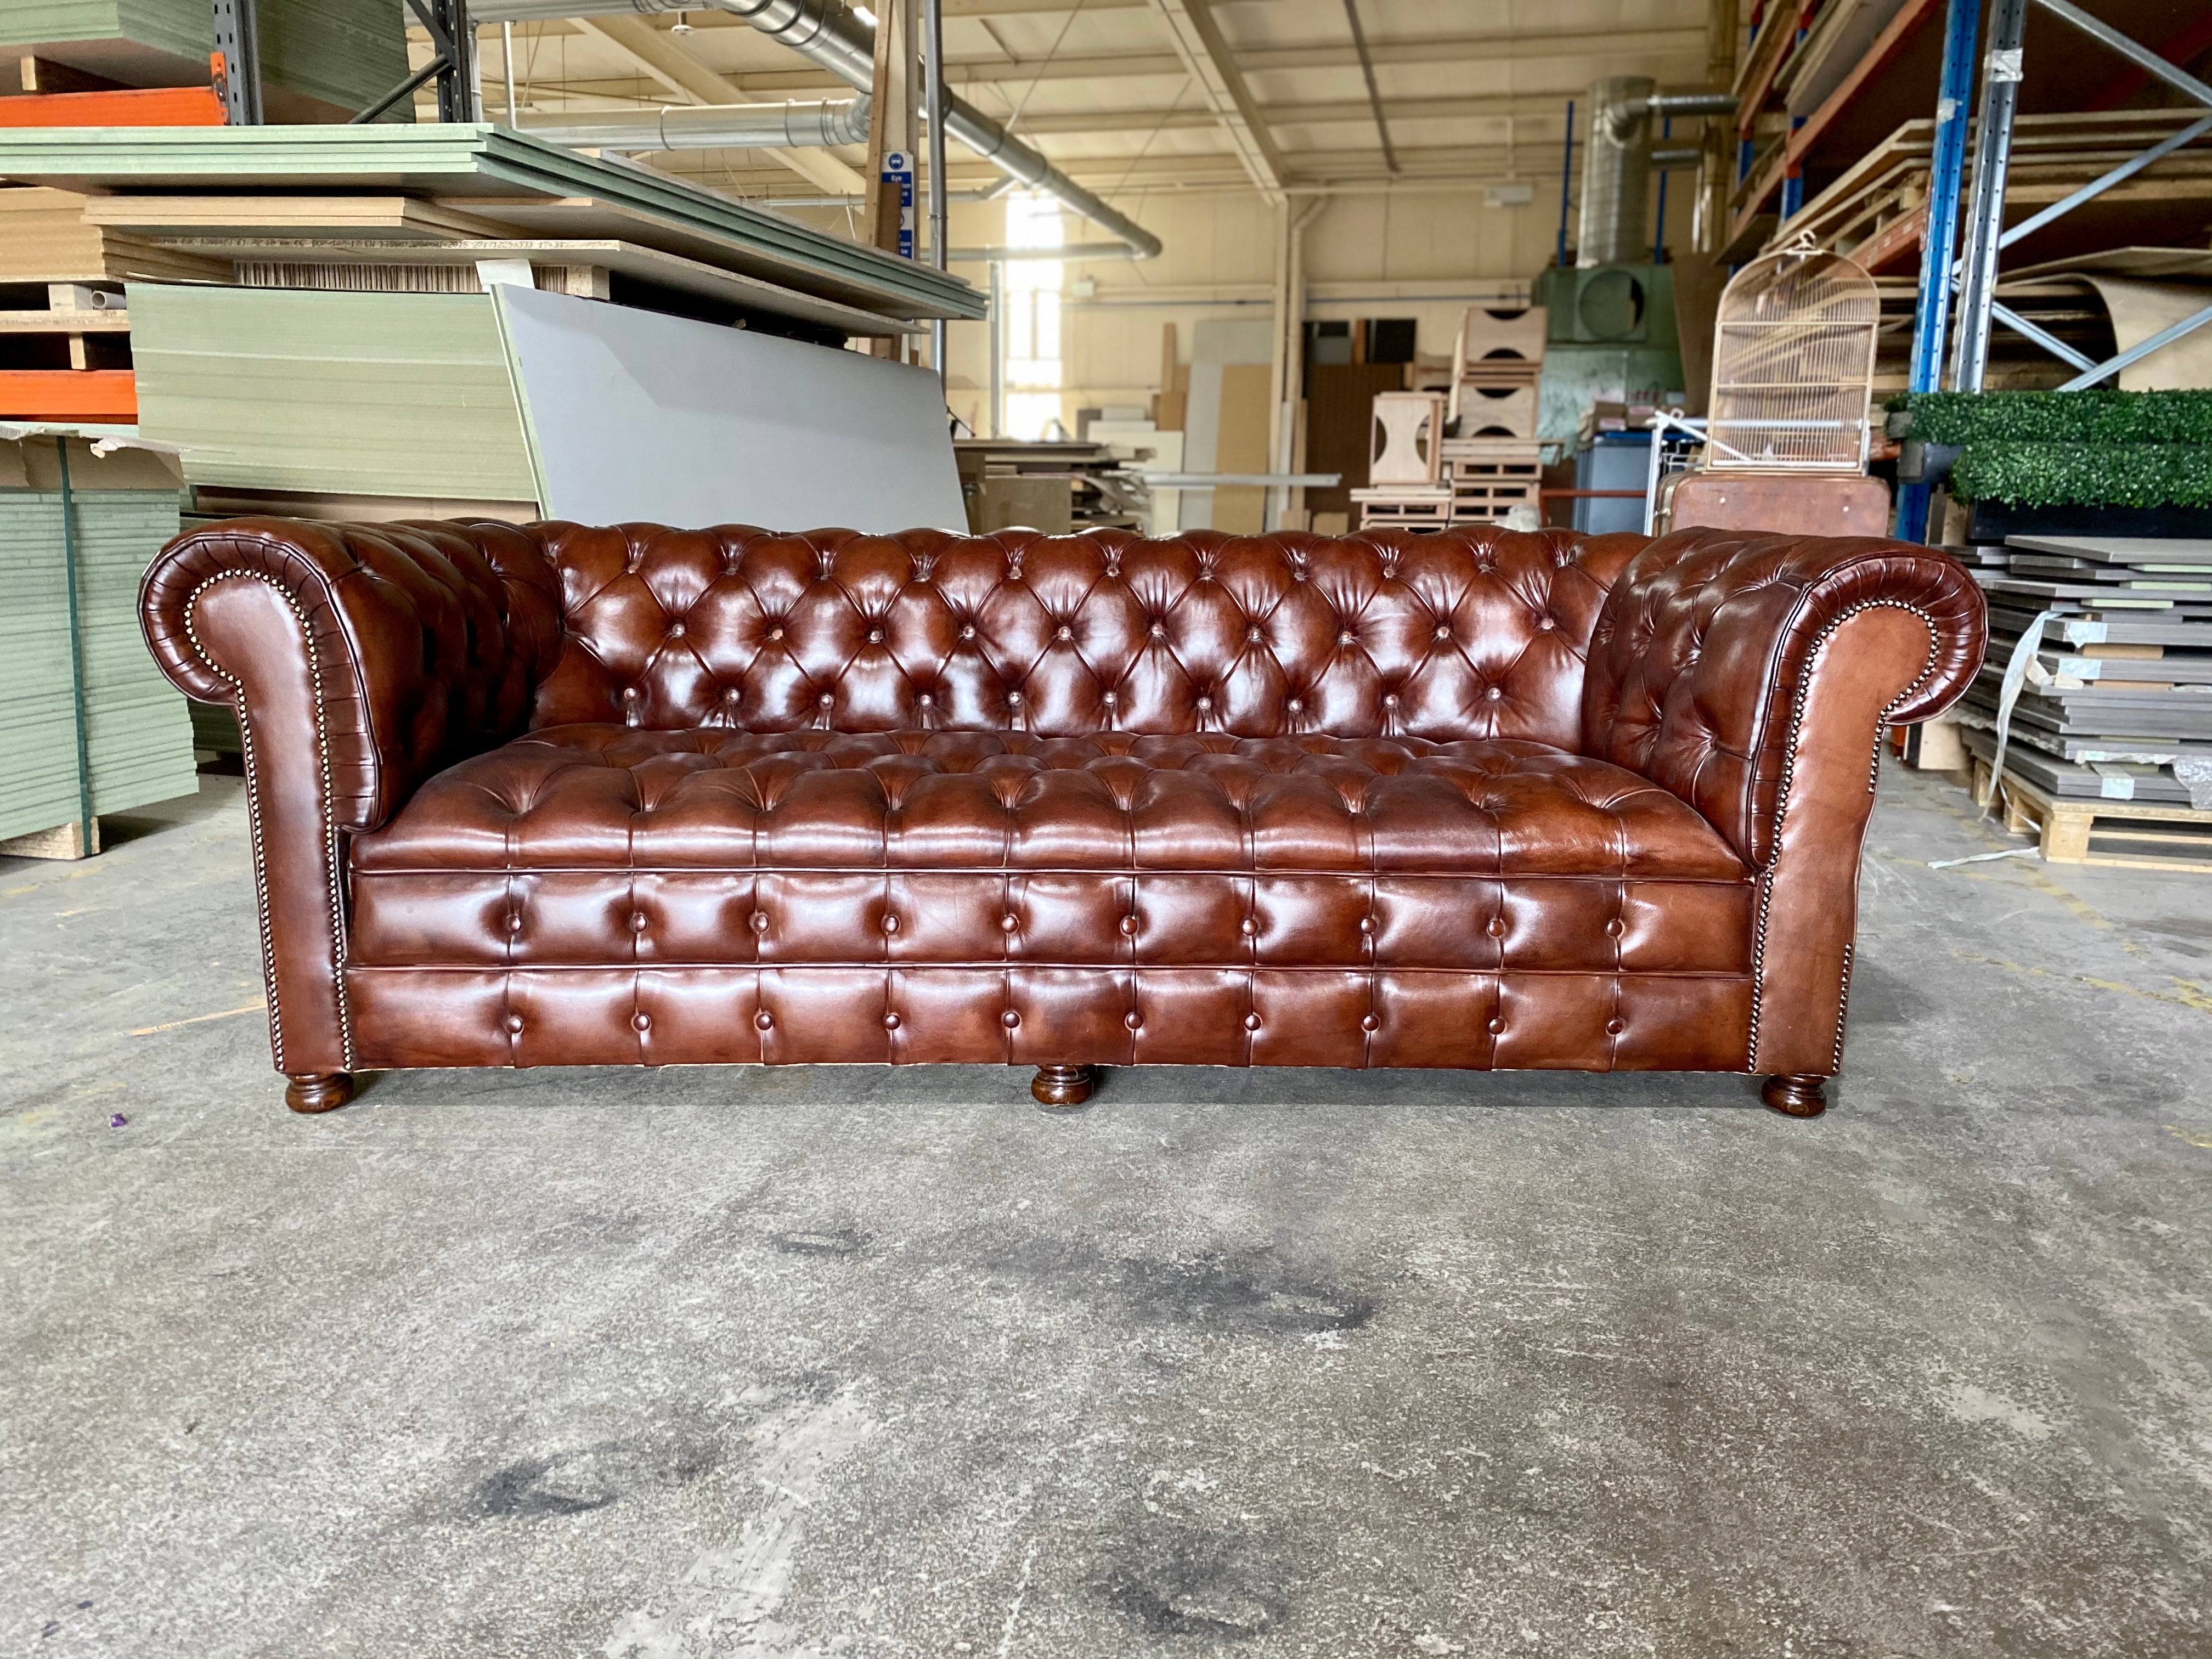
(2115,714)
(1877,212)
(137,737)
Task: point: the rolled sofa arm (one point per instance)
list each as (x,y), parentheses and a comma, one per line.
(360,658)
(1753,676)
(423,641)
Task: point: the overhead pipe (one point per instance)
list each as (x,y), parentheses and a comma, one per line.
(828,35)
(707,126)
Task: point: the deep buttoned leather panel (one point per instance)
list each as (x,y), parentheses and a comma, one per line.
(1473,633)
(576,918)
(607,797)
(1049,1016)
(1699,663)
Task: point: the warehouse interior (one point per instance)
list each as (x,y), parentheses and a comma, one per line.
(551,550)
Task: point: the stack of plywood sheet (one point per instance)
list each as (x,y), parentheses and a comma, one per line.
(321,60)
(1496,363)
(86,721)
(2114,714)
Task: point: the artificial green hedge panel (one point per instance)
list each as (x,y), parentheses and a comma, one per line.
(2056,417)
(2084,474)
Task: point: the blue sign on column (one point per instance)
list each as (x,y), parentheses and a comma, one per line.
(898,169)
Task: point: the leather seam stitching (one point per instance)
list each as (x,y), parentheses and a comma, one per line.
(323,807)
(1782,801)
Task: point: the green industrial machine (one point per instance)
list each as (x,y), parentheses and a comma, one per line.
(1612,338)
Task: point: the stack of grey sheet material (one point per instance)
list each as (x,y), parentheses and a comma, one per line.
(2117,701)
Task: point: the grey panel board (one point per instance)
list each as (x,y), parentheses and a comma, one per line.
(636,416)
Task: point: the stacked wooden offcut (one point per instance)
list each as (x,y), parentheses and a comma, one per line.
(2109,752)
(64,331)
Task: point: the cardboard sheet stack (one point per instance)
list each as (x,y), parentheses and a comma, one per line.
(137,738)
(2113,717)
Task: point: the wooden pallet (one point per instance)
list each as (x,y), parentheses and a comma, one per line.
(1387,509)
(2157,836)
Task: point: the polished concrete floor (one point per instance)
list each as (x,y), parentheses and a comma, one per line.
(851,1361)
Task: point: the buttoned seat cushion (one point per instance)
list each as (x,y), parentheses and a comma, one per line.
(598,845)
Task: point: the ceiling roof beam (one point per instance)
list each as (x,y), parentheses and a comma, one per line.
(1198,43)
(662,55)
(1686,43)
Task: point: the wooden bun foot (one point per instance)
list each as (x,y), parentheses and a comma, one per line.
(1795,1094)
(320,1091)
(1063,1088)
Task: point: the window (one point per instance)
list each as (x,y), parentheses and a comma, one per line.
(1031,324)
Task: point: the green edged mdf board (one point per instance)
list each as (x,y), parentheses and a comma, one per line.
(298,391)
(138,736)
(320,60)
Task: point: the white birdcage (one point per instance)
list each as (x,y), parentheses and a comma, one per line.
(1792,365)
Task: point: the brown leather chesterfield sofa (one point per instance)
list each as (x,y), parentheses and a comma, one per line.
(556,795)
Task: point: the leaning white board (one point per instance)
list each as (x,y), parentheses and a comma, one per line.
(634,416)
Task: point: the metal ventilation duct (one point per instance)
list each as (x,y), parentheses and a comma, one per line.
(707,126)
(1616,172)
(825,33)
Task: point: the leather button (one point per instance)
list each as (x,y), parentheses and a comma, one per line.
(1009,922)
(928,701)
(968,633)
(1496,1028)
(676,630)
(760,921)
(1390,702)
(732,695)
(1009,1019)
(1367,924)
(1133,1021)
(1444,633)
(1370,1023)
(514,924)
(1253,635)
(1251,1022)
(631,692)
(875,636)
(1495,693)
(1015,698)
(1158,632)
(1065,633)
(1344,639)
(637,922)
(1248,928)
(763,1020)
(1615,1028)
(775,632)
(514,1022)
(1614,928)
(1205,703)
(1111,699)
(1496,928)
(1129,926)
(890,1022)
(1545,624)
(1295,705)
(827,699)
(890,924)
(644,1022)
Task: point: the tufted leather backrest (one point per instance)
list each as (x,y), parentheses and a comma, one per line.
(1698,661)
(1472,633)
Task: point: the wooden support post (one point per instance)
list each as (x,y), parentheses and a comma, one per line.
(894,130)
